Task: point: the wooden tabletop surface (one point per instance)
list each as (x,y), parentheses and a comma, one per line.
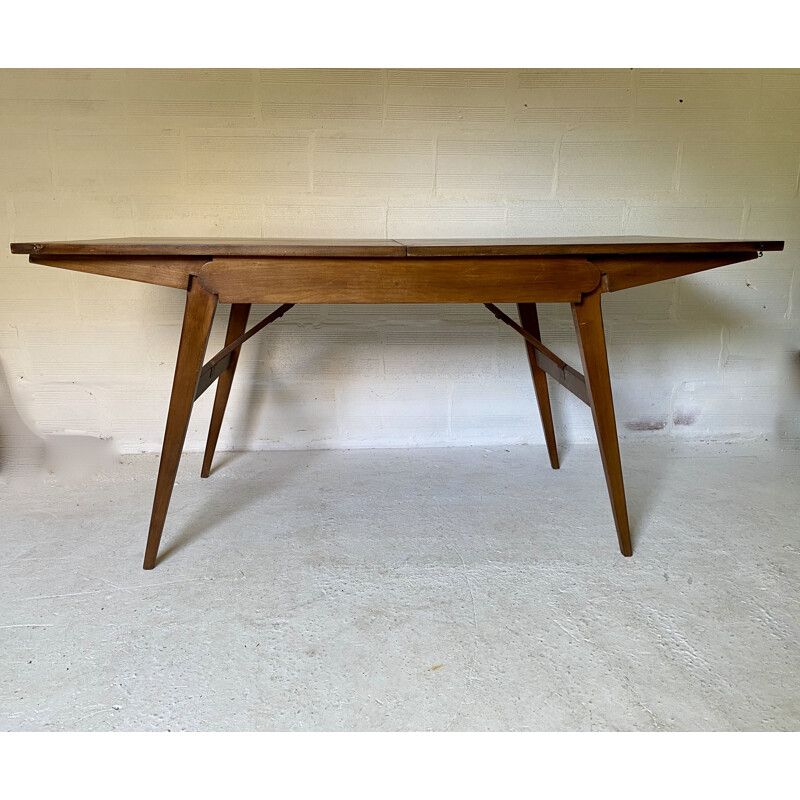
(489,271)
(391,248)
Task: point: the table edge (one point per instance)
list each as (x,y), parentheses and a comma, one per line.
(388,251)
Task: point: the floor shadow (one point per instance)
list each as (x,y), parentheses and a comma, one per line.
(26,455)
(198,526)
(22,451)
(559,423)
(220,503)
(643,480)
(787,421)
(225,459)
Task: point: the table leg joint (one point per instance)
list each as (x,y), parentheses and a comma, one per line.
(215,366)
(555,367)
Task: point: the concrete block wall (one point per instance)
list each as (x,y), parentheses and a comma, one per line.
(400,153)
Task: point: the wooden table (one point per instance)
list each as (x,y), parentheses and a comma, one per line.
(488,271)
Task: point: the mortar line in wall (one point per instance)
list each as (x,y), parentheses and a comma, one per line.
(722,349)
(183,156)
(126,77)
(556,162)
(626,215)
(255,79)
(435,164)
(450,412)
(385,109)
(676,177)
(676,298)
(383,341)
(52,160)
(673,398)
(797,180)
(311,146)
(511,84)
(746,208)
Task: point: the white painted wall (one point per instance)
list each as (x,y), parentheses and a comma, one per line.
(400,153)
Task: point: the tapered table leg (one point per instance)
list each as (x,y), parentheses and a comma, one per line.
(529,320)
(588,319)
(236,327)
(197,319)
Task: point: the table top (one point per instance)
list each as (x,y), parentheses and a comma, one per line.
(393,248)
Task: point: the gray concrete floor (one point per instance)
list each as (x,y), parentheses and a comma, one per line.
(435,589)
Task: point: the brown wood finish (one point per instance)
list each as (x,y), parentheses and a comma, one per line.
(588,319)
(173,272)
(521,271)
(461,280)
(625,272)
(237,324)
(529,320)
(580,246)
(383,248)
(221,246)
(197,319)
(568,377)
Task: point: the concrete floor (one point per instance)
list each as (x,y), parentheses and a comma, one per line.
(437,589)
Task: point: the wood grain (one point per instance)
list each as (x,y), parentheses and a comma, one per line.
(159,270)
(625,272)
(237,324)
(286,271)
(385,248)
(594,245)
(497,280)
(323,248)
(588,319)
(197,319)
(529,321)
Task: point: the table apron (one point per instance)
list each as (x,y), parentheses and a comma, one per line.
(172,271)
(393,280)
(625,272)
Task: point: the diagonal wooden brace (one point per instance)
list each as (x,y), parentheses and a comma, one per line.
(555,367)
(215,366)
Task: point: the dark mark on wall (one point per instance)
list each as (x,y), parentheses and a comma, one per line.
(686,416)
(647,424)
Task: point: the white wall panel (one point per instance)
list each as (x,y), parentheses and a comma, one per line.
(400,153)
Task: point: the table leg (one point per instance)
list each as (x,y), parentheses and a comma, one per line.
(529,320)
(237,325)
(197,319)
(588,319)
